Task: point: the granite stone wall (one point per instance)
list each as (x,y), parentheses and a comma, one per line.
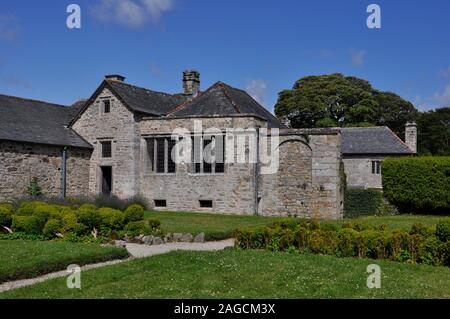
(358,170)
(120,127)
(20,162)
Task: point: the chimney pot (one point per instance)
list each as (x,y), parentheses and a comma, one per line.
(411,136)
(191,82)
(115,77)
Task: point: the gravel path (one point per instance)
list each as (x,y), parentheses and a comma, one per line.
(140,251)
(135,250)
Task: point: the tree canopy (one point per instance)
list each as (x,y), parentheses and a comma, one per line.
(434,132)
(338,100)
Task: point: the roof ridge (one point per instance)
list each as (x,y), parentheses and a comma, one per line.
(140,87)
(34,100)
(183,105)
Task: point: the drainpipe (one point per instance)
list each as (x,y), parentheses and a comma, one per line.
(63,172)
(257,173)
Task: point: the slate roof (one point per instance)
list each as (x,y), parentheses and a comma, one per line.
(224,100)
(146,101)
(372,140)
(33,121)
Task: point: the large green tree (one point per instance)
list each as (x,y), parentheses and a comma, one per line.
(338,100)
(434,132)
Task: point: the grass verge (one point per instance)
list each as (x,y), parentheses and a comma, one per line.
(21,259)
(247,274)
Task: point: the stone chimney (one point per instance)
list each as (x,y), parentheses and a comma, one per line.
(191,82)
(411,136)
(115,77)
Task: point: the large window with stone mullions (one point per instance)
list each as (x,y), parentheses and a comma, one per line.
(208,154)
(160,159)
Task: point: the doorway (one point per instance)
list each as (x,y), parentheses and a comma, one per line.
(106,180)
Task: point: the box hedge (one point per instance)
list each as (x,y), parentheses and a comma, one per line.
(418,184)
(419,245)
(362,202)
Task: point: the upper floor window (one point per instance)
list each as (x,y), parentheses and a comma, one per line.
(106,149)
(376,167)
(107,106)
(208,154)
(160,154)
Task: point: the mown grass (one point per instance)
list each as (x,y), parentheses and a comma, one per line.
(217,226)
(21,259)
(247,274)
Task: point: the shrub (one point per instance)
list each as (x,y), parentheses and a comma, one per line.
(34,189)
(137,228)
(362,202)
(70,224)
(154,223)
(134,213)
(118,203)
(51,228)
(26,209)
(443,230)
(6,212)
(112,218)
(418,184)
(351,240)
(27,224)
(89,216)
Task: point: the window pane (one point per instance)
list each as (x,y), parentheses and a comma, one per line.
(151,154)
(160,159)
(106,149)
(107,105)
(207,167)
(373,167)
(171,167)
(220,154)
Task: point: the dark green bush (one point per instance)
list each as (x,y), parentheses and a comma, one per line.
(362,202)
(138,228)
(112,218)
(154,223)
(51,228)
(6,212)
(134,213)
(89,216)
(443,230)
(418,184)
(27,224)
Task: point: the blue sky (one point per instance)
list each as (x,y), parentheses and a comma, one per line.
(263,46)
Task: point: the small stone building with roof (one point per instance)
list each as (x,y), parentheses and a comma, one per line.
(365,148)
(120,142)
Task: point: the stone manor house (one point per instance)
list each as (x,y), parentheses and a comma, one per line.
(119,142)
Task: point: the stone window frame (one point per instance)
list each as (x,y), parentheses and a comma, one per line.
(102,105)
(151,160)
(376,167)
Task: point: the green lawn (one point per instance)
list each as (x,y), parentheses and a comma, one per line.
(27,259)
(247,274)
(217,226)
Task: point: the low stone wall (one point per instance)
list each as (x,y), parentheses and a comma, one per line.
(20,162)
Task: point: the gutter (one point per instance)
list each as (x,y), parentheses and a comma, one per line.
(257,173)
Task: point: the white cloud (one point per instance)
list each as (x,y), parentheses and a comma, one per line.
(257,90)
(357,56)
(131,13)
(9,28)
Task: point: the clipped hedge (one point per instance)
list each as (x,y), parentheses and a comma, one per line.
(420,245)
(362,202)
(418,184)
